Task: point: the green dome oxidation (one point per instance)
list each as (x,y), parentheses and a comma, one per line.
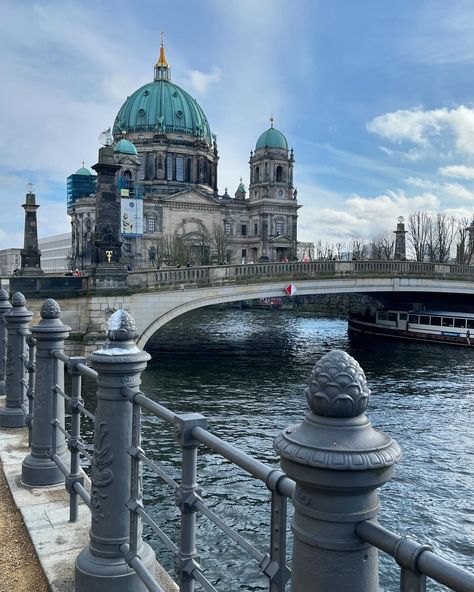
(124,146)
(161,106)
(272,138)
(83,171)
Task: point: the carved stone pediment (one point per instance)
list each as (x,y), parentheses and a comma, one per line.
(194,197)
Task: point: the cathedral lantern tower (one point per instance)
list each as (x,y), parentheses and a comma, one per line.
(272,196)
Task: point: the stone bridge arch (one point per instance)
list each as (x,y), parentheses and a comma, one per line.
(153,310)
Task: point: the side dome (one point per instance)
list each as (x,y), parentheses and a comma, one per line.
(161,106)
(124,146)
(83,171)
(272,138)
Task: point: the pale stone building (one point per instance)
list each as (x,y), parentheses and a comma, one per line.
(171,210)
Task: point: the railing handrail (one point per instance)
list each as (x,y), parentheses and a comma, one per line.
(416,557)
(274,479)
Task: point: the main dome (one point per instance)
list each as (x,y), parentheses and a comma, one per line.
(161,106)
(272,138)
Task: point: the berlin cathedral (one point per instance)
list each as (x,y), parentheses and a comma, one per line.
(165,162)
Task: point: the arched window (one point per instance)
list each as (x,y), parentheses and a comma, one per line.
(279,174)
(257,174)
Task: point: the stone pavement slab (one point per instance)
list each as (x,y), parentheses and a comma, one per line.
(45,511)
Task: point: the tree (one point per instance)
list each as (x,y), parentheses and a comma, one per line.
(220,242)
(464,244)
(382,247)
(419,225)
(359,248)
(440,237)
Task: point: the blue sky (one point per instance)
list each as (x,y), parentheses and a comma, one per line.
(376,98)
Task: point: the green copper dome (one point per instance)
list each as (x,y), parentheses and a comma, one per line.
(272,138)
(124,146)
(83,171)
(161,106)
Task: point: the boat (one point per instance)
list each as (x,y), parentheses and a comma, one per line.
(454,328)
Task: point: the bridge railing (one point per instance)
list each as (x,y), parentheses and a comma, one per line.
(146,279)
(333,463)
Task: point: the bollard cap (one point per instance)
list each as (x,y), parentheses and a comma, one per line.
(18,300)
(337,386)
(50,309)
(18,313)
(50,322)
(120,345)
(336,434)
(4,304)
(121,326)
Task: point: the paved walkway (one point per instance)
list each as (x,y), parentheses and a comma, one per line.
(38,544)
(21,571)
(45,512)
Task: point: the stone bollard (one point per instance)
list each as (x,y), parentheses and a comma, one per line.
(17,320)
(338,461)
(101,566)
(38,468)
(5,306)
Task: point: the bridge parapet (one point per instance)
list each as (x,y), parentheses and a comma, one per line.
(147,279)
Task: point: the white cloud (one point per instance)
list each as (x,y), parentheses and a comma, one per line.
(199,82)
(423,128)
(458,191)
(459,171)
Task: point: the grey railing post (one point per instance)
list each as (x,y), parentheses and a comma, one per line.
(39,468)
(5,306)
(101,566)
(13,415)
(186,496)
(338,461)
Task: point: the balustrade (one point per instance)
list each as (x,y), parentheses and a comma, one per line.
(333,462)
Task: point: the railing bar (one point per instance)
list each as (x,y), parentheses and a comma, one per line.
(235,536)
(428,563)
(60,392)
(61,429)
(59,355)
(150,405)
(152,524)
(87,413)
(257,469)
(159,471)
(90,372)
(141,570)
(83,493)
(84,451)
(59,463)
(205,583)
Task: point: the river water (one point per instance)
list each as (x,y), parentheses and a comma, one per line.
(246,371)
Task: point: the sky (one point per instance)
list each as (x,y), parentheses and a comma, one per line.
(376,99)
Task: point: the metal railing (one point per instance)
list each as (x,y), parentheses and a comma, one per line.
(336,535)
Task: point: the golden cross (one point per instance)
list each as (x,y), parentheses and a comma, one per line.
(109,255)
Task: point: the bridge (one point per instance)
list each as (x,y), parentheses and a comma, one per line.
(155,297)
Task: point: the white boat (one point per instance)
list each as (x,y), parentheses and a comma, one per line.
(455,328)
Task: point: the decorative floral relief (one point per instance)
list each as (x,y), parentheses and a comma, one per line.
(101,475)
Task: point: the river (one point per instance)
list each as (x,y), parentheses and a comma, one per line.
(246,371)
